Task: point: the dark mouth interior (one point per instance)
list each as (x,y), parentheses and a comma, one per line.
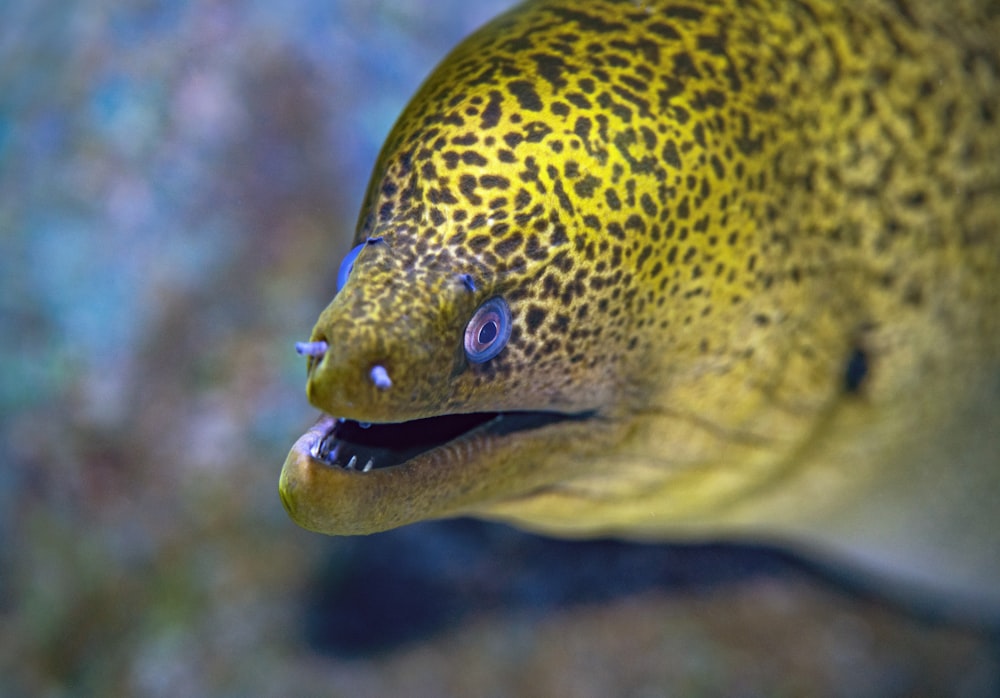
(357,446)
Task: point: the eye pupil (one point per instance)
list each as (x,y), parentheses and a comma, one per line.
(488,332)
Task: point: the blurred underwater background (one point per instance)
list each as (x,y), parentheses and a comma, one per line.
(178,183)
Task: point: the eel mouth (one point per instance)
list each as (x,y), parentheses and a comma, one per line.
(363,448)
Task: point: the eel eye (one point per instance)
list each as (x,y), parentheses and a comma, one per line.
(347,265)
(488,331)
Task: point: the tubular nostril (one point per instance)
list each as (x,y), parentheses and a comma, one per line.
(380,377)
(316,349)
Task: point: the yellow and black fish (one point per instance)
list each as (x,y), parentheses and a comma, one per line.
(676,270)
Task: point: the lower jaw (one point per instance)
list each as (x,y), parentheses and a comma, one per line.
(333,500)
(493,462)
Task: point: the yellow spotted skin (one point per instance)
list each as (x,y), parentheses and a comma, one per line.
(753,247)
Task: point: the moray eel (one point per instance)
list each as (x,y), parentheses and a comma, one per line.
(683,270)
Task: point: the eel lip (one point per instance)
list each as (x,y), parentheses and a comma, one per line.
(308,444)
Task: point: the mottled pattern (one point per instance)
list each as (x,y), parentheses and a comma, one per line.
(665,181)
(715,225)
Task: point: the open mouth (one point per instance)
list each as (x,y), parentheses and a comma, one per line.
(365,447)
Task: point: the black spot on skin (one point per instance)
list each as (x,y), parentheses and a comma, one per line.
(663,30)
(480,242)
(471,157)
(683,12)
(512,139)
(534,249)
(683,209)
(578,101)
(699,135)
(536,131)
(525,94)
(551,69)
(564,263)
(635,222)
(709,98)
(684,66)
(565,203)
(467,185)
(914,294)
(619,110)
(588,23)
(492,113)
(643,256)
(715,45)
(534,319)
(986,112)
(494,182)
(586,186)
(648,205)
(766,102)
(670,154)
(856,370)
(559,236)
(615,230)
(509,245)
(522,199)
(747,144)
(673,88)
(717,166)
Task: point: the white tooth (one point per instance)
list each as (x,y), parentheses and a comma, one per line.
(368,466)
(351,463)
(364,425)
(332,457)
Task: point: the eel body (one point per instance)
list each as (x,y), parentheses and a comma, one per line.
(679,270)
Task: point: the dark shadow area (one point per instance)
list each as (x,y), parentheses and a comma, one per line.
(376,593)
